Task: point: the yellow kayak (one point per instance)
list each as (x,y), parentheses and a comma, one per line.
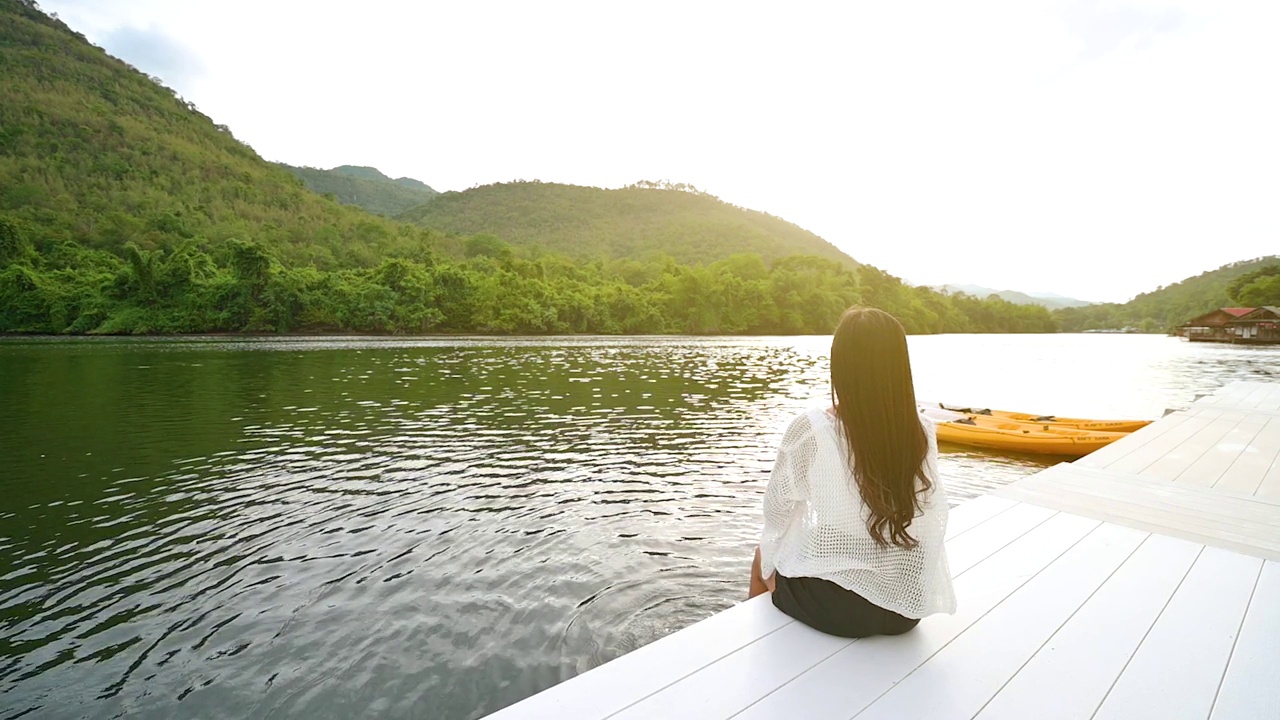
(1044,439)
(1121,426)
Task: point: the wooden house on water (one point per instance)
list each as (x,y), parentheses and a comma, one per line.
(1213,326)
(1259,326)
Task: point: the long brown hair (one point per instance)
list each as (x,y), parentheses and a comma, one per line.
(876,401)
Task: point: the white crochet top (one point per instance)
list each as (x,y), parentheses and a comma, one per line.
(815,524)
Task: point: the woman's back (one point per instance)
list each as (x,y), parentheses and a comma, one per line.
(816,525)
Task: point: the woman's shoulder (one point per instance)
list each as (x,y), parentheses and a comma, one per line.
(807,422)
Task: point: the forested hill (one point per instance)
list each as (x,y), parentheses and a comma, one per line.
(365,187)
(123,209)
(1247,283)
(96,153)
(632,222)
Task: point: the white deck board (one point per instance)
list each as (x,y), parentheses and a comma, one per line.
(766,667)
(975,512)
(972,546)
(1137,440)
(1213,464)
(1136,452)
(1246,473)
(1270,487)
(951,685)
(1176,671)
(1070,675)
(741,678)
(1246,524)
(878,663)
(1261,396)
(1251,687)
(1172,463)
(1211,446)
(1142,581)
(613,686)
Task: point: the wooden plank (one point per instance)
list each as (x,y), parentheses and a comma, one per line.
(1193,504)
(1251,397)
(1269,397)
(1251,687)
(1235,392)
(1213,464)
(613,686)
(1265,396)
(1069,676)
(1176,671)
(853,678)
(963,676)
(985,539)
(1270,487)
(736,681)
(1159,445)
(1134,441)
(1108,477)
(1146,510)
(975,512)
(1176,459)
(749,673)
(1245,475)
(1256,397)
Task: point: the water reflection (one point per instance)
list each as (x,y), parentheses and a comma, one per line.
(325,528)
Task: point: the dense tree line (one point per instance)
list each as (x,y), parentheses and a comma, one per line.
(1257,288)
(194,286)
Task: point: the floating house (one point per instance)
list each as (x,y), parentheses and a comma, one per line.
(1259,326)
(1216,326)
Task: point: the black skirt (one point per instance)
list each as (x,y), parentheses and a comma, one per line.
(829,608)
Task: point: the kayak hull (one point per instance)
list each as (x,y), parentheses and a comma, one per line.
(1022,437)
(1121,426)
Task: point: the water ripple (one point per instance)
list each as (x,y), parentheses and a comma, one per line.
(408,528)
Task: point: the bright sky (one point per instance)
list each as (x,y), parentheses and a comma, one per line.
(1095,149)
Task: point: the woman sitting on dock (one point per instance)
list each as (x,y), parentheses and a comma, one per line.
(854,514)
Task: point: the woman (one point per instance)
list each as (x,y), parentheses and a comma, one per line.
(854,515)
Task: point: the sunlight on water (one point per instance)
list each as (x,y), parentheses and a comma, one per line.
(432,528)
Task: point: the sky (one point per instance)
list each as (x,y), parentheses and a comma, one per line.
(1093,149)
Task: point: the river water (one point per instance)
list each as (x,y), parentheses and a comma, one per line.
(432,528)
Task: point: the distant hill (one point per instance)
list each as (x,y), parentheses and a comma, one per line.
(632,222)
(365,187)
(1048,300)
(96,153)
(1165,307)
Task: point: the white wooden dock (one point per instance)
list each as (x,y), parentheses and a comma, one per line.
(1142,581)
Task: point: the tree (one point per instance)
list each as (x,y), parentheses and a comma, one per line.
(1260,287)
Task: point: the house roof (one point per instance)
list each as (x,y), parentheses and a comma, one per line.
(1217,315)
(1266,311)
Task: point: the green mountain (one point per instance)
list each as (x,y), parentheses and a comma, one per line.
(632,222)
(1051,301)
(1167,307)
(365,187)
(123,209)
(95,153)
